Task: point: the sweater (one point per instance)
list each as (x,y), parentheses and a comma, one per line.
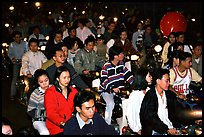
(98,127)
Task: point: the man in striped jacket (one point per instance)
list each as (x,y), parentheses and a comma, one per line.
(113,76)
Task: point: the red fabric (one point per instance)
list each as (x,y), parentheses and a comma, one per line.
(58,109)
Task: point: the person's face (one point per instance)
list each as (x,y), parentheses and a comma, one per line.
(59,57)
(87,110)
(172,38)
(197,51)
(120,57)
(36,31)
(149,78)
(6,130)
(72,33)
(99,41)
(65,50)
(43,81)
(64,79)
(58,38)
(111,26)
(123,35)
(17,38)
(175,62)
(33,47)
(163,83)
(90,46)
(187,63)
(139,26)
(180,38)
(148,30)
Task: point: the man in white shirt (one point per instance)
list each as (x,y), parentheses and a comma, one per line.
(31,61)
(82,32)
(159,109)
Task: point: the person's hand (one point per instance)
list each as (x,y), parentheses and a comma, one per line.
(181,96)
(116,90)
(172,131)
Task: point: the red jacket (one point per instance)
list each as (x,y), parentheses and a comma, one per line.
(58,109)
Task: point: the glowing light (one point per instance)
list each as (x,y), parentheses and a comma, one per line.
(25,2)
(7,25)
(123,13)
(2,51)
(74,8)
(115,19)
(83,12)
(134,57)
(4,44)
(62,11)
(37,4)
(158,48)
(106,7)
(193,19)
(43,48)
(50,12)
(47,37)
(25,39)
(101,17)
(11,8)
(126,9)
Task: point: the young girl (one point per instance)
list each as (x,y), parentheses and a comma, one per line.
(36,102)
(59,103)
(142,80)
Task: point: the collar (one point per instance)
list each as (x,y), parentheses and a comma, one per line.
(81,122)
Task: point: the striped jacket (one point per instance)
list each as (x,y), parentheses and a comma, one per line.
(114,76)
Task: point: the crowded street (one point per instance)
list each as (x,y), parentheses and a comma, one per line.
(89,68)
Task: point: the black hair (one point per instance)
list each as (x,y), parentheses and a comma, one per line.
(175,54)
(90,38)
(173,47)
(83,96)
(184,56)
(71,43)
(178,33)
(114,50)
(33,40)
(160,73)
(58,72)
(38,73)
(140,82)
(171,33)
(16,33)
(197,43)
(71,28)
(5,121)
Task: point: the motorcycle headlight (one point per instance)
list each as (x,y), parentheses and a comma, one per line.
(158,48)
(134,57)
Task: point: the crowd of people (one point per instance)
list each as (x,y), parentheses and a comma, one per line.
(60,97)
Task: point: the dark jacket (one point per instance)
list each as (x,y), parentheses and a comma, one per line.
(148,113)
(75,78)
(99,127)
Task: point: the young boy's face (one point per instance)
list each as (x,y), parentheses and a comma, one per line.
(90,46)
(33,47)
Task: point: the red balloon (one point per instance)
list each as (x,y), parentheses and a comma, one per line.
(172,22)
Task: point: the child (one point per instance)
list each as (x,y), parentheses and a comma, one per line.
(36,102)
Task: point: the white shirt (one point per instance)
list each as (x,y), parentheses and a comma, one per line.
(82,34)
(133,109)
(163,110)
(31,61)
(41,37)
